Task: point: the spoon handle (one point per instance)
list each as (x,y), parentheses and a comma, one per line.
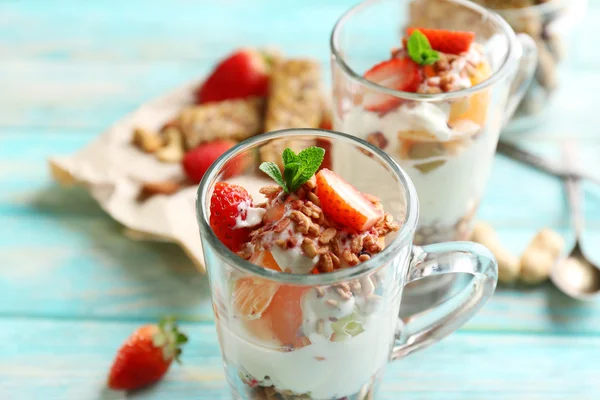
(573,186)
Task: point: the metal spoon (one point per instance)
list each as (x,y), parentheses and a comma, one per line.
(574,274)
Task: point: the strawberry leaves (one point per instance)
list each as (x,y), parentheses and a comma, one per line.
(420,50)
(297,168)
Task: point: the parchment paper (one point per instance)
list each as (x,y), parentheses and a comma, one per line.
(113,170)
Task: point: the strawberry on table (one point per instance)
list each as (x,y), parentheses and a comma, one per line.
(225,210)
(146,356)
(344,204)
(196,162)
(401,74)
(243,74)
(451,42)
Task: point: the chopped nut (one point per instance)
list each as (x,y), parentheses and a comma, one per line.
(270,192)
(150,189)
(344,294)
(309,248)
(313,197)
(325,263)
(147,141)
(336,261)
(332,303)
(311,183)
(173,151)
(356,244)
(364,257)
(282,225)
(327,235)
(303,223)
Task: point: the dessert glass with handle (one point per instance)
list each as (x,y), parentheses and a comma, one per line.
(342,342)
(445,141)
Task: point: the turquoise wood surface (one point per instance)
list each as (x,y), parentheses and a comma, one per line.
(72,287)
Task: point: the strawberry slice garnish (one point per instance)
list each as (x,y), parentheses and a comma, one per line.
(451,42)
(146,356)
(345,205)
(401,74)
(228,204)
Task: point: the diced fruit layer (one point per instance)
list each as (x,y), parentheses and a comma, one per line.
(224,210)
(475,107)
(401,74)
(452,42)
(344,204)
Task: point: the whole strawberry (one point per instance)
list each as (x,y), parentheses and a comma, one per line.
(228,205)
(196,161)
(243,74)
(146,356)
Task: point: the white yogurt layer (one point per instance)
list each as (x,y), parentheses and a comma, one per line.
(447,192)
(325,369)
(248,216)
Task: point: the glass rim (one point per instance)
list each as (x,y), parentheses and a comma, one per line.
(504,70)
(542,8)
(402,238)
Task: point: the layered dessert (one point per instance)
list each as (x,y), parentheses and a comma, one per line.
(444,145)
(286,341)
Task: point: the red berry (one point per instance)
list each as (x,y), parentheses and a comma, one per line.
(243,74)
(225,210)
(146,356)
(345,205)
(401,74)
(196,162)
(451,42)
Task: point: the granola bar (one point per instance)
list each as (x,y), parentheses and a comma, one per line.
(235,120)
(295,101)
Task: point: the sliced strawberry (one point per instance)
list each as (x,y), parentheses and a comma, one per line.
(451,42)
(344,204)
(401,74)
(227,205)
(242,74)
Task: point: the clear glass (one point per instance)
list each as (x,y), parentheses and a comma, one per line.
(444,141)
(552,24)
(343,327)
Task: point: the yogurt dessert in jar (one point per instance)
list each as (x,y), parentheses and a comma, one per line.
(446,146)
(282,341)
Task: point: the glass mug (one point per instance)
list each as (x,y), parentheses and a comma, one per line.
(444,141)
(340,350)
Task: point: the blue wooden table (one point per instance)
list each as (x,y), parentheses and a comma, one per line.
(72,287)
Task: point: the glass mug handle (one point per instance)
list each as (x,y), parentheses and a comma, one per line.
(434,324)
(522,79)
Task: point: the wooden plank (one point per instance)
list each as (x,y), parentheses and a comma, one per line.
(82,267)
(114,31)
(70,360)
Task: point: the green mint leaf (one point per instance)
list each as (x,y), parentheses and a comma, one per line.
(310,160)
(290,172)
(289,156)
(420,50)
(271,169)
